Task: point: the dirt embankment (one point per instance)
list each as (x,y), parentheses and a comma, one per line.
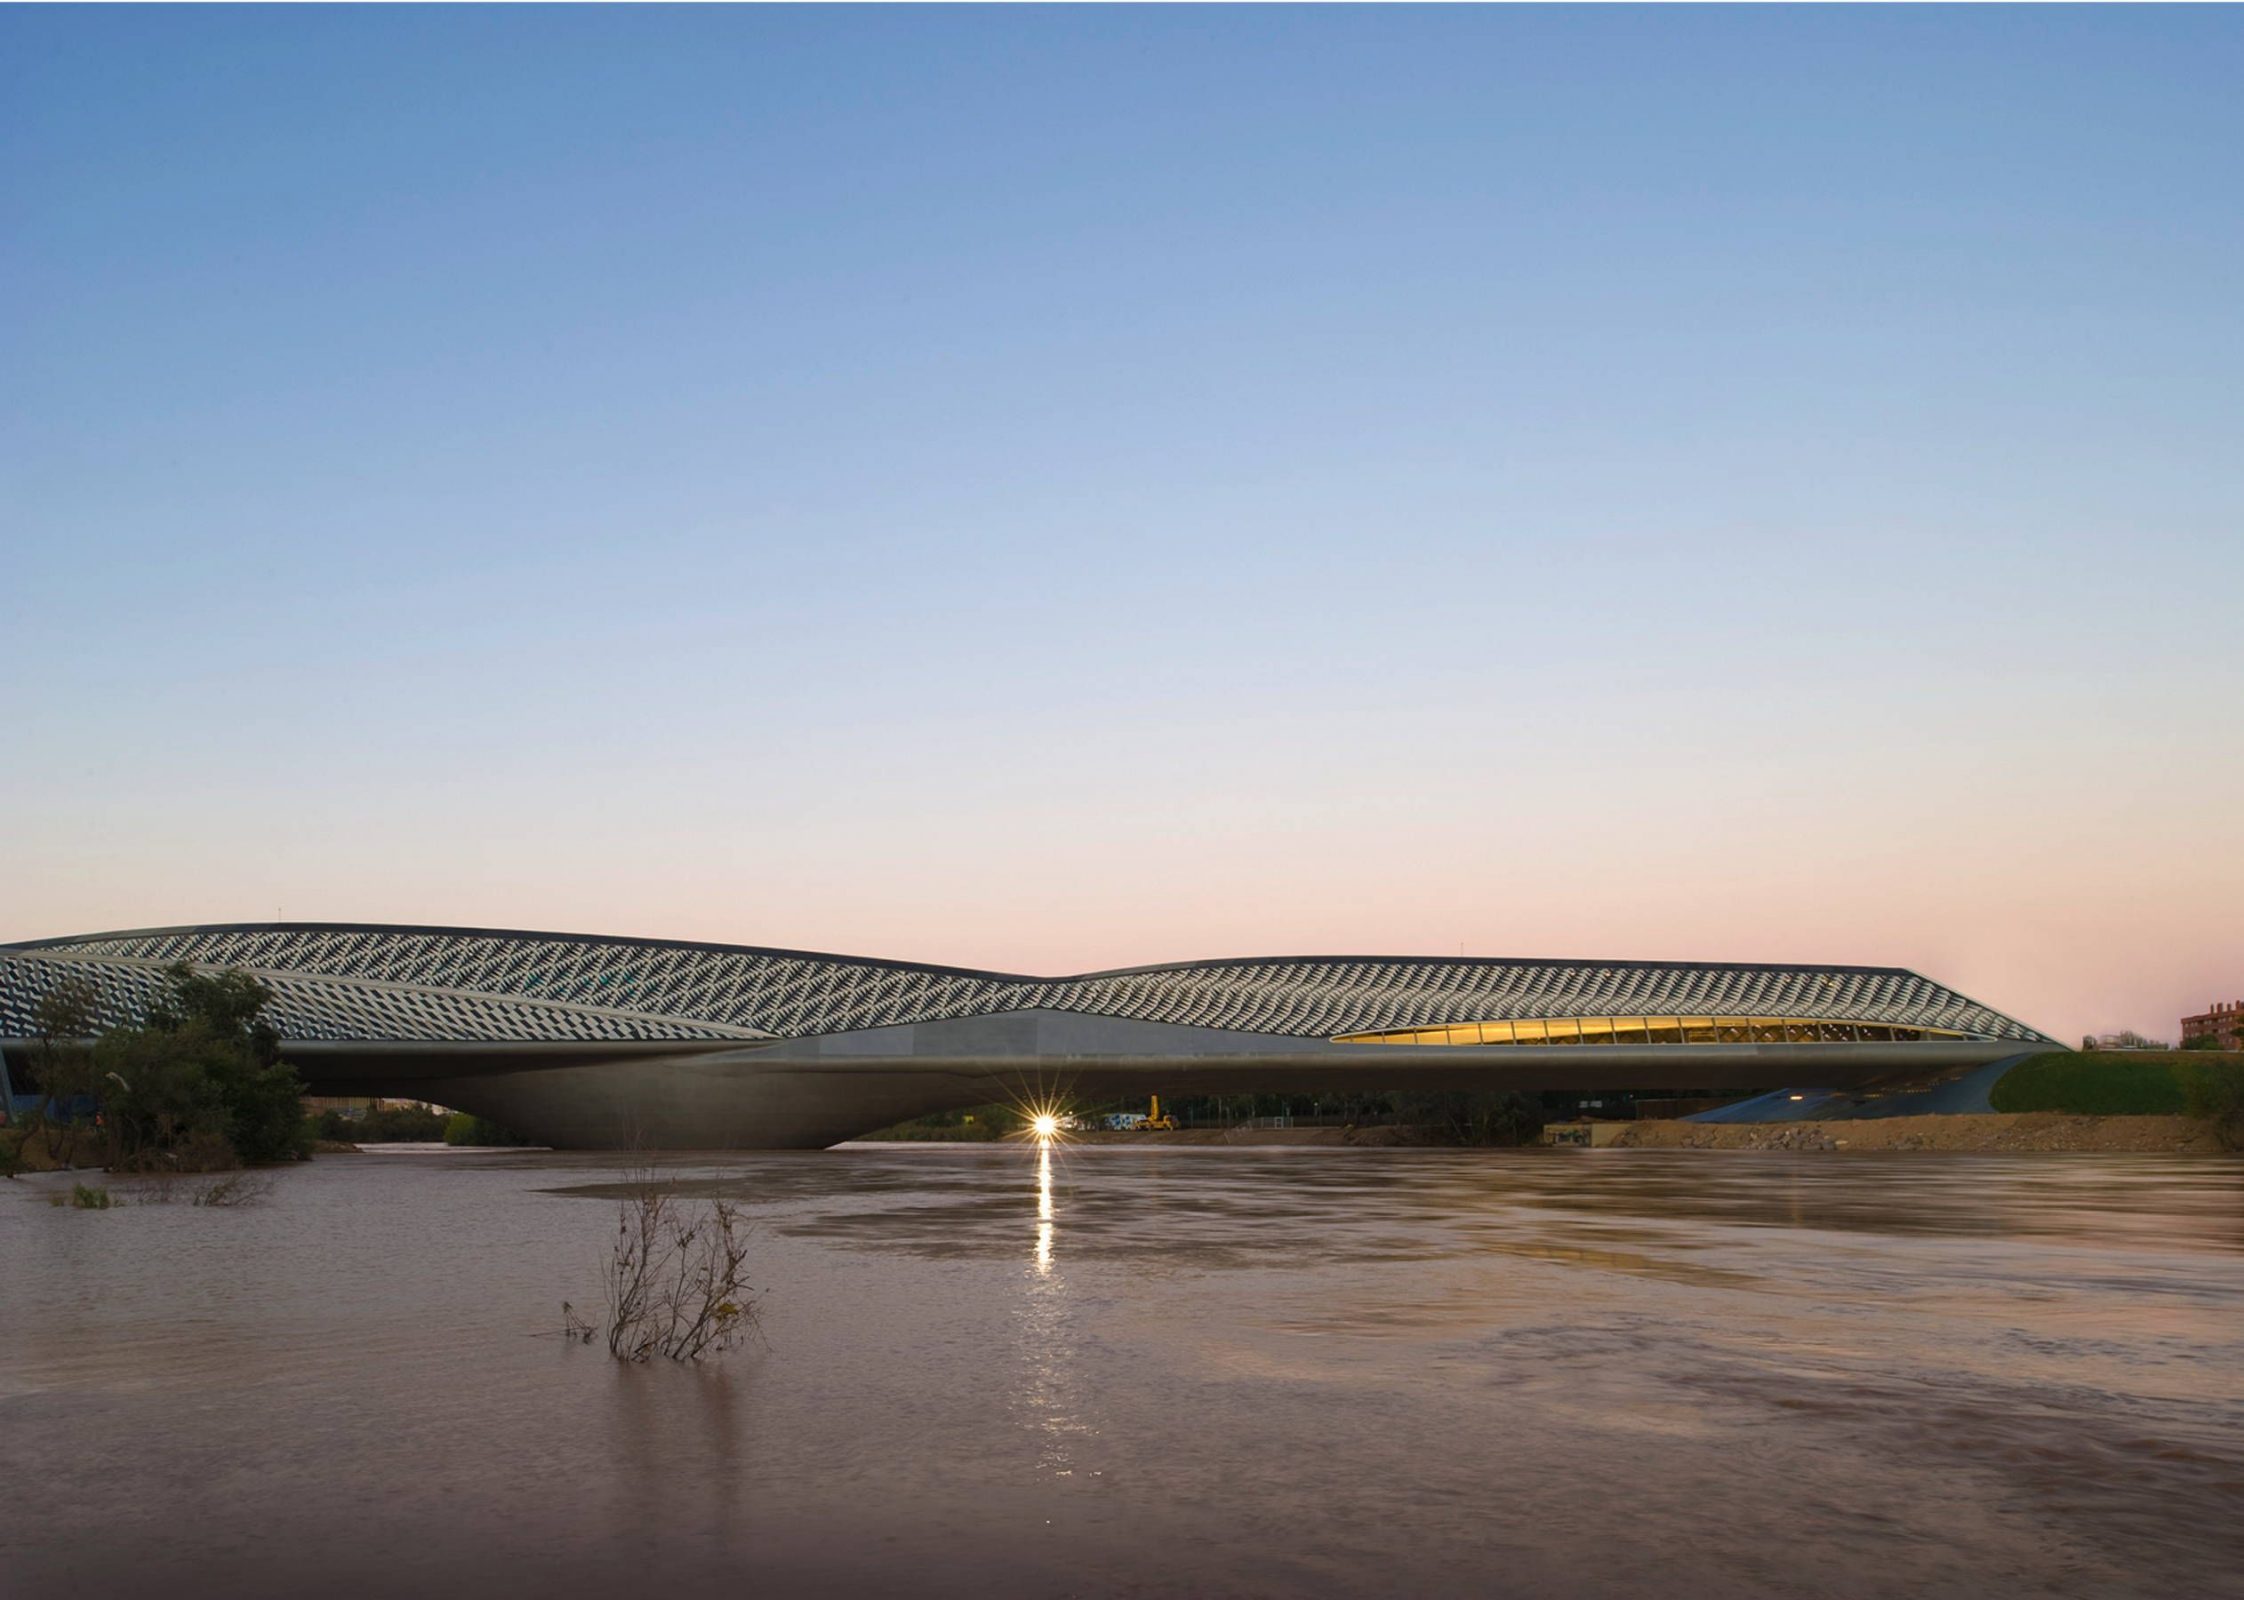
(42,1150)
(1994,1132)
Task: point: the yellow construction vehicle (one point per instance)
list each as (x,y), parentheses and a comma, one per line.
(1158,1119)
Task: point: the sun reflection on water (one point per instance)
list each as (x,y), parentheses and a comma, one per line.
(1047,1398)
(1044,1207)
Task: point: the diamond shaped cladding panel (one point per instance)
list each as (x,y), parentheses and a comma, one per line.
(435,983)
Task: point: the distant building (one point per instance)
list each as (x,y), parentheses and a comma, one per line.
(2222,1021)
(2125,1039)
(610,1043)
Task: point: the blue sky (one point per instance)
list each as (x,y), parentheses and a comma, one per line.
(1054,488)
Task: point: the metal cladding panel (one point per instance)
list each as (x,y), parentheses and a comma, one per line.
(311,1006)
(360,982)
(767,992)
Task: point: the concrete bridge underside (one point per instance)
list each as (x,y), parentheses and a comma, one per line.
(813,1092)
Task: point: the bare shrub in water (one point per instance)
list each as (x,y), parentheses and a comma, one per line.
(227,1189)
(676,1278)
(234,1189)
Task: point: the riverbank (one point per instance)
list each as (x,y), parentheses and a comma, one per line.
(40,1150)
(1986,1133)
(1370,1136)
(2007,1133)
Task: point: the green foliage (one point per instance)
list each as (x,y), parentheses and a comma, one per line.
(2202,1041)
(973,1125)
(462,1128)
(33,1145)
(1473,1117)
(382,1125)
(2112,1084)
(66,1011)
(945,1133)
(62,1018)
(200,1081)
(86,1198)
(2214,1090)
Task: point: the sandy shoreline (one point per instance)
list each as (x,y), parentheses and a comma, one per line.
(2006,1132)
(1989,1132)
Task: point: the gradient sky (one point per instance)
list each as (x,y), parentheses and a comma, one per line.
(1059,489)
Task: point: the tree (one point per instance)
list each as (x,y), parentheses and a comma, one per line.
(462,1128)
(1468,1116)
(63,1019)
(65,1013)
(200,1081)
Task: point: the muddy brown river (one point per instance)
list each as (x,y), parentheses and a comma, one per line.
(1150,1372)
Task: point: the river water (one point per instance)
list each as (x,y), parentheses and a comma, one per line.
(1150,1372)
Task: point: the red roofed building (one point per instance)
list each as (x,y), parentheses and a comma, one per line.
(2223,1022)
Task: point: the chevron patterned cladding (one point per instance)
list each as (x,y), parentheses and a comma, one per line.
(606,1043)
(356,982)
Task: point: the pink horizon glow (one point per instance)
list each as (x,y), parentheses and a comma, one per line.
(2103,947)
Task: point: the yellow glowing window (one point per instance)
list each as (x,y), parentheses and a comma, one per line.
(1657,1030)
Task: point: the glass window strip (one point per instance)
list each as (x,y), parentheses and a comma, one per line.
(1659,1030)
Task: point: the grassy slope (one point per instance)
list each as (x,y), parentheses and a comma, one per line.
(2129,1083)
(38,1154)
